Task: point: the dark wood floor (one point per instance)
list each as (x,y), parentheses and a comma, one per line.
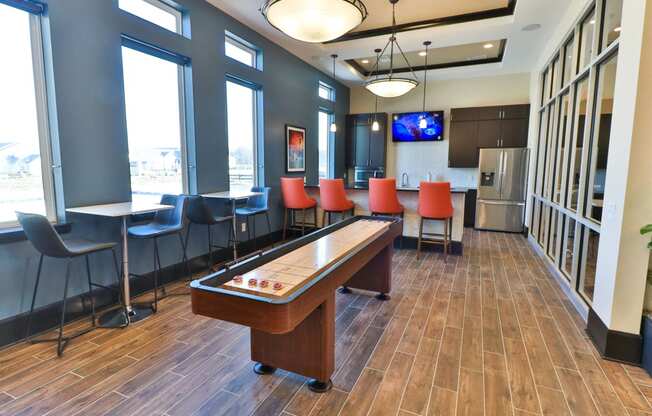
(487,333)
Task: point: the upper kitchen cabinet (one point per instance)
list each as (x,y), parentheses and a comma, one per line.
(366,147)
(494,126)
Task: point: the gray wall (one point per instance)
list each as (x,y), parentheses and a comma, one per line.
(85,37)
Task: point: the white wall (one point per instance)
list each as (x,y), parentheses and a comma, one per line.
(417,159)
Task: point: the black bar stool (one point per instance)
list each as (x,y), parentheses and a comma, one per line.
(48,243)
(201,214)
(165,222)
(256,205)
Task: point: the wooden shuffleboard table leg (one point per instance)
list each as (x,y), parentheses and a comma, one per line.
(375,276)
(308,350)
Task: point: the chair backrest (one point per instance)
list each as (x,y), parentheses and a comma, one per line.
(259,201)
(42,235)
(294,194)
(435,200)
(383,198)
(332,195)
(172,217)
(198,210)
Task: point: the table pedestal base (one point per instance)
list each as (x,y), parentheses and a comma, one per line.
(115,318)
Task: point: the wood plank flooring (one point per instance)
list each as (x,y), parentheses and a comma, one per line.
(487,333)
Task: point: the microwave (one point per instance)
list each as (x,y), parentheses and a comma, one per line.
(361,175)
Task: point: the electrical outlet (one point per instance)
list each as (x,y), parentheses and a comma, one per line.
(243,227)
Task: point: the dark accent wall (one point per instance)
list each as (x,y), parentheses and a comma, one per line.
(84,44)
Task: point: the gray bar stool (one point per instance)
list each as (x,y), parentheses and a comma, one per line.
(48,243)
(200,213)
(256,205)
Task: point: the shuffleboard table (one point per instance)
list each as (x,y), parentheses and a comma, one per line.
(287,295)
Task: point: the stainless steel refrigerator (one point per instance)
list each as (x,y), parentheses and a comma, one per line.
(502,189)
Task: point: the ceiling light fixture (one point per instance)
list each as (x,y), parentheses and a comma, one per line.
(365,61)
(423,53)
(314,21)
(390,86)
(333,125)
(617,29)
(423,123)
(375,126)
(488,45)
(531,27)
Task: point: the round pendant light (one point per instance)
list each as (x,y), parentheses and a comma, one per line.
(375,126)
(314,21)
(391,86)
(333,125)
(423,123)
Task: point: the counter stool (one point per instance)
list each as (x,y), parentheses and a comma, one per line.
(333,199)
(165,222)
(48,243)
(295,198)
(200,213)
(256,205)
(435,204)
(383,200)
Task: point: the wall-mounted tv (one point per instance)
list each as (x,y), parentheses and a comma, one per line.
(406,127)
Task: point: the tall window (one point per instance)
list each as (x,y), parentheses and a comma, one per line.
(155,125)
(25,167)
(573,148)
(325,120)
(156,12)
(242,133)
(326,92)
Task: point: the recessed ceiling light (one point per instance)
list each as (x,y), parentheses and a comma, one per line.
(422,53)
(592,22)
(531,27)
(488,45)
(617,29)
(365,61)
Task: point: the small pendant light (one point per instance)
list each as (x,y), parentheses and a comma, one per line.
(423,123)
(375,126)
(333,125)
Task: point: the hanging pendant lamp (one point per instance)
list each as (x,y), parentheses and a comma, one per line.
(375,126)
(333,125)
(391,86)
(423,123)
(314,21)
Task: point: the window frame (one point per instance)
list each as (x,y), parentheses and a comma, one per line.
(330,136)
(239,42)
(185,91)
(332,96)
(176,11)
(42,119)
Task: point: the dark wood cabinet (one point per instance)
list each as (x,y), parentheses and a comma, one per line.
(365,147)
(494,126)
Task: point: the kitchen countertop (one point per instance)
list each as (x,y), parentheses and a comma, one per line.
(455,190)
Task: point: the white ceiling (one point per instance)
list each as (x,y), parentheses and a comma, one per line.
(521,53)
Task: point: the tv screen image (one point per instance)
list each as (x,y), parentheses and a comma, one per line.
(405,127)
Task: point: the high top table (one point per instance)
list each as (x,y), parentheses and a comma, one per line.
(121,317)
(233,197)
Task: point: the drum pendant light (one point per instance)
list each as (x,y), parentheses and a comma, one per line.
(391,86)
(333,125)
(314,21)
(423,123)
(375,126)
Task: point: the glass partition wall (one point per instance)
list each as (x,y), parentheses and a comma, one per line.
(572,149)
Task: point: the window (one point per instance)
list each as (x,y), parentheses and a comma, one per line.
(568,61)
(563,127)
(554,78)
(325,120)
(554,225)
(581,98)
(599,153)
(25,166)
(154,100)
(156,12)
(239,50)
(612,17)
(586,40)
(326,92)
(242,133)
(568,250)
(590,245)
(544,89)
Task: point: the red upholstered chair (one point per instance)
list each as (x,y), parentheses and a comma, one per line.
(295,198)
(383,199)
(435,204)
(333,199)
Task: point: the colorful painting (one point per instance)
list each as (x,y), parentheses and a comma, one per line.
(296,148)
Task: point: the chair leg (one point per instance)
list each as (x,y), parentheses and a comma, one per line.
(420,236)
(269,224)
(90,289)
(285,223)
(303,221)
(185,255)
(248,228)
(323,219)
(156,264)
(314,215)
(253,223)
(117,274)
(31,309)
(400,241)
(61,344)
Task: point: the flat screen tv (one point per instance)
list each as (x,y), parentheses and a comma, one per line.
(406,127)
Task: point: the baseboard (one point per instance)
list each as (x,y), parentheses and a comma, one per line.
(614,345)
(45,318)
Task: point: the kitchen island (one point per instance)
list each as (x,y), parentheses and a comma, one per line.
(409,198)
